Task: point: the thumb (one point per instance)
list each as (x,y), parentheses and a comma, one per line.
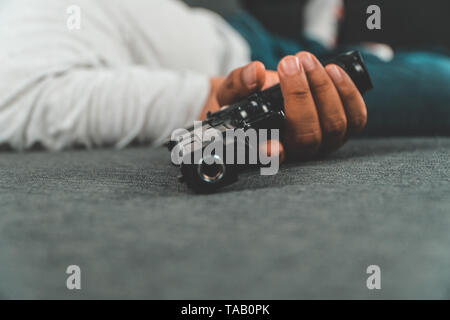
(241,83)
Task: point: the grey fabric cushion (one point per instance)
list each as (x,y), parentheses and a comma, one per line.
(308,232)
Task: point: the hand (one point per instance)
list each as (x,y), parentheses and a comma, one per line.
(323,106)
(239,84)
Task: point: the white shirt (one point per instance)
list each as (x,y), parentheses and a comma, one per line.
(135,70)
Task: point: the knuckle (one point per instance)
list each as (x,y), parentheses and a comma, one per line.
(309,141)
(232,82)
(229,90)
(229,84)
(358,123)
(335,127)
(300,93)
(357,118)
(350,93)
(321,85)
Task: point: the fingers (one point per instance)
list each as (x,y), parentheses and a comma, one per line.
(241,83)
(303,132)
(333,121)
(322,105)
(271,79)
(354,105)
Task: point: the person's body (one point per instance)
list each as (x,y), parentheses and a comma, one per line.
(138,69)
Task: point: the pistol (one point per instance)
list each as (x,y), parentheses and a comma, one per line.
(210,171)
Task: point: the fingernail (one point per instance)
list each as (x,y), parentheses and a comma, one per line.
(308,62)
(290,66)
(334,73)
(249,75)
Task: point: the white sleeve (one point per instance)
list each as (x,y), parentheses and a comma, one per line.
(55,90)
(101,107)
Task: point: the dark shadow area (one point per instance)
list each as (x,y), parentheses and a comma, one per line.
(411,24)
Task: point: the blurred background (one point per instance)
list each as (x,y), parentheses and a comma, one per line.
(405,23)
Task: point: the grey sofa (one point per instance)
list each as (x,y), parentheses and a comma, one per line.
(309,232)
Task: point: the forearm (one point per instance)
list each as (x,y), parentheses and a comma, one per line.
(102,107)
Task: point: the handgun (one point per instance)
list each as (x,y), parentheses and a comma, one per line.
(206,173)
